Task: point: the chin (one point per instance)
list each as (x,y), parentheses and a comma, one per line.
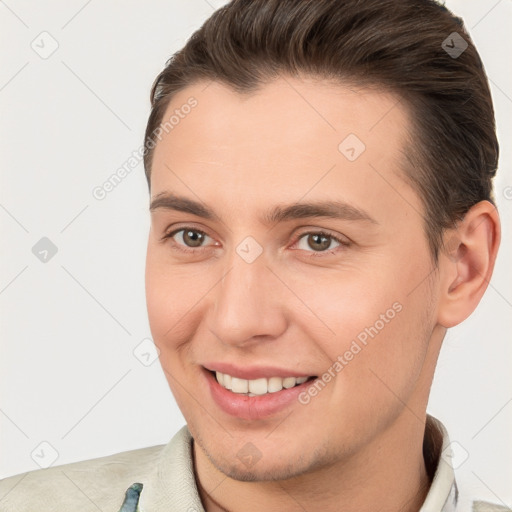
(263,473)
(281,467)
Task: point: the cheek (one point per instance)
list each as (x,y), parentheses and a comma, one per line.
(166,297)
(372,323)
(158,298)
(391,363)
(175,295)
(342,303)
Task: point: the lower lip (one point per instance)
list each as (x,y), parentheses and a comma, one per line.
(253,407)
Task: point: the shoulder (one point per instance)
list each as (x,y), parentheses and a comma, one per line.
(484,506)
(86,485)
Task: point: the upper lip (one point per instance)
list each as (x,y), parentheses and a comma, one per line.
(253,372)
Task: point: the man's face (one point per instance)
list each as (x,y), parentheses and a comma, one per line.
(292,296)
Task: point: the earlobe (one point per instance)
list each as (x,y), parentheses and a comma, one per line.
(467,263)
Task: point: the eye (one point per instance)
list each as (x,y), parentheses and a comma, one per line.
(188,239)
(320,242)
(191,240)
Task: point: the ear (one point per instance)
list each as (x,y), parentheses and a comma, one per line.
(466,262)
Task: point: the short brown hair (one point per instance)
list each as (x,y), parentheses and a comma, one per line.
(397,45)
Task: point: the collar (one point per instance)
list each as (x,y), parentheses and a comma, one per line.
(443,493)
(172,485)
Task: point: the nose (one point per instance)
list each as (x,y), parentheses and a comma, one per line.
(248,304)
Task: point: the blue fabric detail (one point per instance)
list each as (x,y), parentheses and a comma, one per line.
(131,500)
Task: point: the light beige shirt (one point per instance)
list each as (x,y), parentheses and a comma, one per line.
(167,475)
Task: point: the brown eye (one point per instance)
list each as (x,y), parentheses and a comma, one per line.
(187,239)
(318,241)
(192,238)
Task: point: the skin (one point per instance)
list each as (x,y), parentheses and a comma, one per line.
(298,306)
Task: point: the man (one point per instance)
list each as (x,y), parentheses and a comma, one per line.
(320,177)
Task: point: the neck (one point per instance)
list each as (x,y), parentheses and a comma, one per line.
(389,475)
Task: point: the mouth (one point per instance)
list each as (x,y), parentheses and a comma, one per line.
(255,399)
(258,387)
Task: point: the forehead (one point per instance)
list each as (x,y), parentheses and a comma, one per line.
(289,138)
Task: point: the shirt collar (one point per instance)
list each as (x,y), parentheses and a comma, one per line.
(172,485)
(443,493)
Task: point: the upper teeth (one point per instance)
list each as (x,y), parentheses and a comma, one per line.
(257,386)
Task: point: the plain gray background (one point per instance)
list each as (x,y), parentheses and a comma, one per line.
(74,374)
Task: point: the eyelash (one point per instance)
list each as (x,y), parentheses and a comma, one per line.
(313,254)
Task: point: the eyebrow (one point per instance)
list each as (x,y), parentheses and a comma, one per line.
(279,213)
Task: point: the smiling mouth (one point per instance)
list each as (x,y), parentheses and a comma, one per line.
(258,387)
